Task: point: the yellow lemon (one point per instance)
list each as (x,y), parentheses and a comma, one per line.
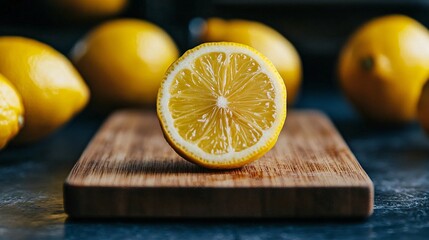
(222,105)
(52,90)
(124,61)
(11,112)
(90,8)
(383,67)
(264,39)
(423,108)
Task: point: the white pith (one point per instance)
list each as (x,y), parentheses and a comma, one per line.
(222,102)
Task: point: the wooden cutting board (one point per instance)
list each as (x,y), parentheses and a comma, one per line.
(129,170)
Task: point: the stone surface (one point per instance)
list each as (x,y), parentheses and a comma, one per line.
(395,157)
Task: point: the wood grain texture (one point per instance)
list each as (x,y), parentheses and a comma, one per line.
(129,170)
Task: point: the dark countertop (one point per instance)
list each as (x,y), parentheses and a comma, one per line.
(396,159)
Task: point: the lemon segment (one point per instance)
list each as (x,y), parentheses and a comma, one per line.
(222,105)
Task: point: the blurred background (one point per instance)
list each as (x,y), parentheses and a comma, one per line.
(317,28)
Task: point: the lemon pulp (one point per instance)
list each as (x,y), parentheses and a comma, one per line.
(222,109)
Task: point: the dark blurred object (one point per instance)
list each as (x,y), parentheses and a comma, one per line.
(86,10)
(18,12)
(44,22)
(57,12)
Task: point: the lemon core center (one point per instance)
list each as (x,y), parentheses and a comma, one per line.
(222,102)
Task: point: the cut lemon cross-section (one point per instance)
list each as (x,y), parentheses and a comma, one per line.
(222,105)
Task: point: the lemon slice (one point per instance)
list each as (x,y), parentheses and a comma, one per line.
(222,105)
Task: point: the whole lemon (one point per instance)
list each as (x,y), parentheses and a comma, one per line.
(11,112)
(383,67)
(264,39)
(124,61)
(52,90)
(423,108)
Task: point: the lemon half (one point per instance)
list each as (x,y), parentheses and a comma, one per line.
(222,105)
